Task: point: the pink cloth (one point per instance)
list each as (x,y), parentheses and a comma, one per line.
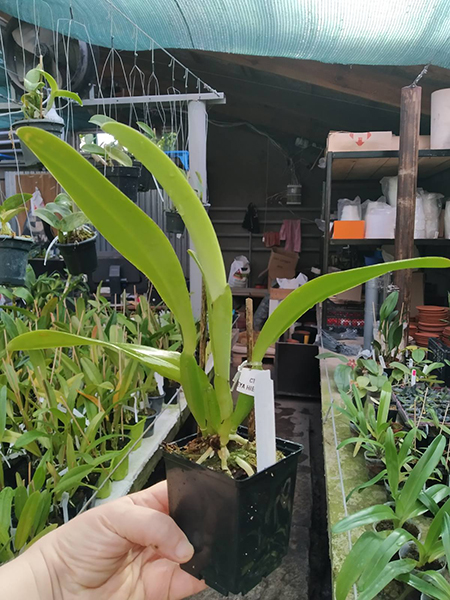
(290,232)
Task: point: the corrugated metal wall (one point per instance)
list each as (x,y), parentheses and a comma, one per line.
(152,204)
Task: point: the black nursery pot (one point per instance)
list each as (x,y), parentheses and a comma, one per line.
(124,178)
(239,528)
(80,257)
(174,222)
(14,259)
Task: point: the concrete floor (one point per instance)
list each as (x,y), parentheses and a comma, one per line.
(304,573)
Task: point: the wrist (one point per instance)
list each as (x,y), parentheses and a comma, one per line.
(27,577)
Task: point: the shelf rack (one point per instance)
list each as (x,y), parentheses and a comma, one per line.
(371,166)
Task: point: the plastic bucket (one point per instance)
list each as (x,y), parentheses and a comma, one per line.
(14,259)
(80,257)
(29,158)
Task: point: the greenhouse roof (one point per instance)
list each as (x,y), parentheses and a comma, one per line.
(371,32)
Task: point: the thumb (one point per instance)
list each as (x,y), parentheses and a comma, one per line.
(150,528)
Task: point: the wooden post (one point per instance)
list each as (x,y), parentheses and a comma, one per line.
(249,330)
(407,187)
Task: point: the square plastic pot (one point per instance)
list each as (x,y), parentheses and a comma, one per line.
(239,528)
(14,259)
(174,222)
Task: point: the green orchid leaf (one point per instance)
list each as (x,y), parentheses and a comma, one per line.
(73,221)
(119,156)
(120,221)
(307,296)
(418,477)
(372,514)
(27,520)
(48,216)
(15,201)
(101,120)
(164,362)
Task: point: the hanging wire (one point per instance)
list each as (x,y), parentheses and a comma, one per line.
(8,91)
(127,18)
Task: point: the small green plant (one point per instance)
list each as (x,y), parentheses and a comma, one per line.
(407,503)
(108,153)
(33,101)
(10,208)
(166,142)
(141,241)
(390,330)
(71,224)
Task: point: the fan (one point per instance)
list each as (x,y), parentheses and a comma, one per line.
(70,61)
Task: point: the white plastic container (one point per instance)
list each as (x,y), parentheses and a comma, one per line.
(447,220)
(440,119)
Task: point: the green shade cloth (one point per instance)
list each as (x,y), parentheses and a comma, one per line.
(372,32)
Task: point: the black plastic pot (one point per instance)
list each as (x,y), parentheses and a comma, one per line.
(149,420)
(374,466)
(28,156)
(14,259)
(239,528)
(124,178)
(170,389)
(174,222)
(80,257)
(156,402)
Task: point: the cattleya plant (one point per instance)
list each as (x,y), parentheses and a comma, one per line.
(135,235)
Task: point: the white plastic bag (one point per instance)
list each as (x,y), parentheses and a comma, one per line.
(380,221)
(419,221)
(432,210)
(292,284)
(389,187)
(239,272)
(349,210)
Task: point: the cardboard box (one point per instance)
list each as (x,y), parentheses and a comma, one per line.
(349,230)
(282,264)
(279,294)
(347,141)
(353,295)
(417,297)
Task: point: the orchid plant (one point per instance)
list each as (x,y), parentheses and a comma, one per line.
(135,235)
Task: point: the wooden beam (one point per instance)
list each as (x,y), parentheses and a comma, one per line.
(367,82)
(407,188)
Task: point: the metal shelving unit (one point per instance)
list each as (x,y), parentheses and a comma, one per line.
(350,167)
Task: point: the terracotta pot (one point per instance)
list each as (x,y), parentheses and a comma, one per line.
(432,309)
(427,327)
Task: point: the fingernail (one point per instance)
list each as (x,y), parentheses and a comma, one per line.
(184,550)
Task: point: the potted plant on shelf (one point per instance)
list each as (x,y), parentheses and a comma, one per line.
(114,162)
(38,107)
(14,249)
(76,240)
(387,347)
(238,520)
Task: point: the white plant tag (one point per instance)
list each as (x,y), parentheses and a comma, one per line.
(264,420)
(382,362)
(413,377)
(160,383)
(209,363)
(246,383)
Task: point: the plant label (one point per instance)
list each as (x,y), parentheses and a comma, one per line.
(266,453)
(160,383)
(209,363)
(246,383)
(382,362)
(413,377)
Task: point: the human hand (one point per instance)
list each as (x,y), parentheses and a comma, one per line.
(129,549)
